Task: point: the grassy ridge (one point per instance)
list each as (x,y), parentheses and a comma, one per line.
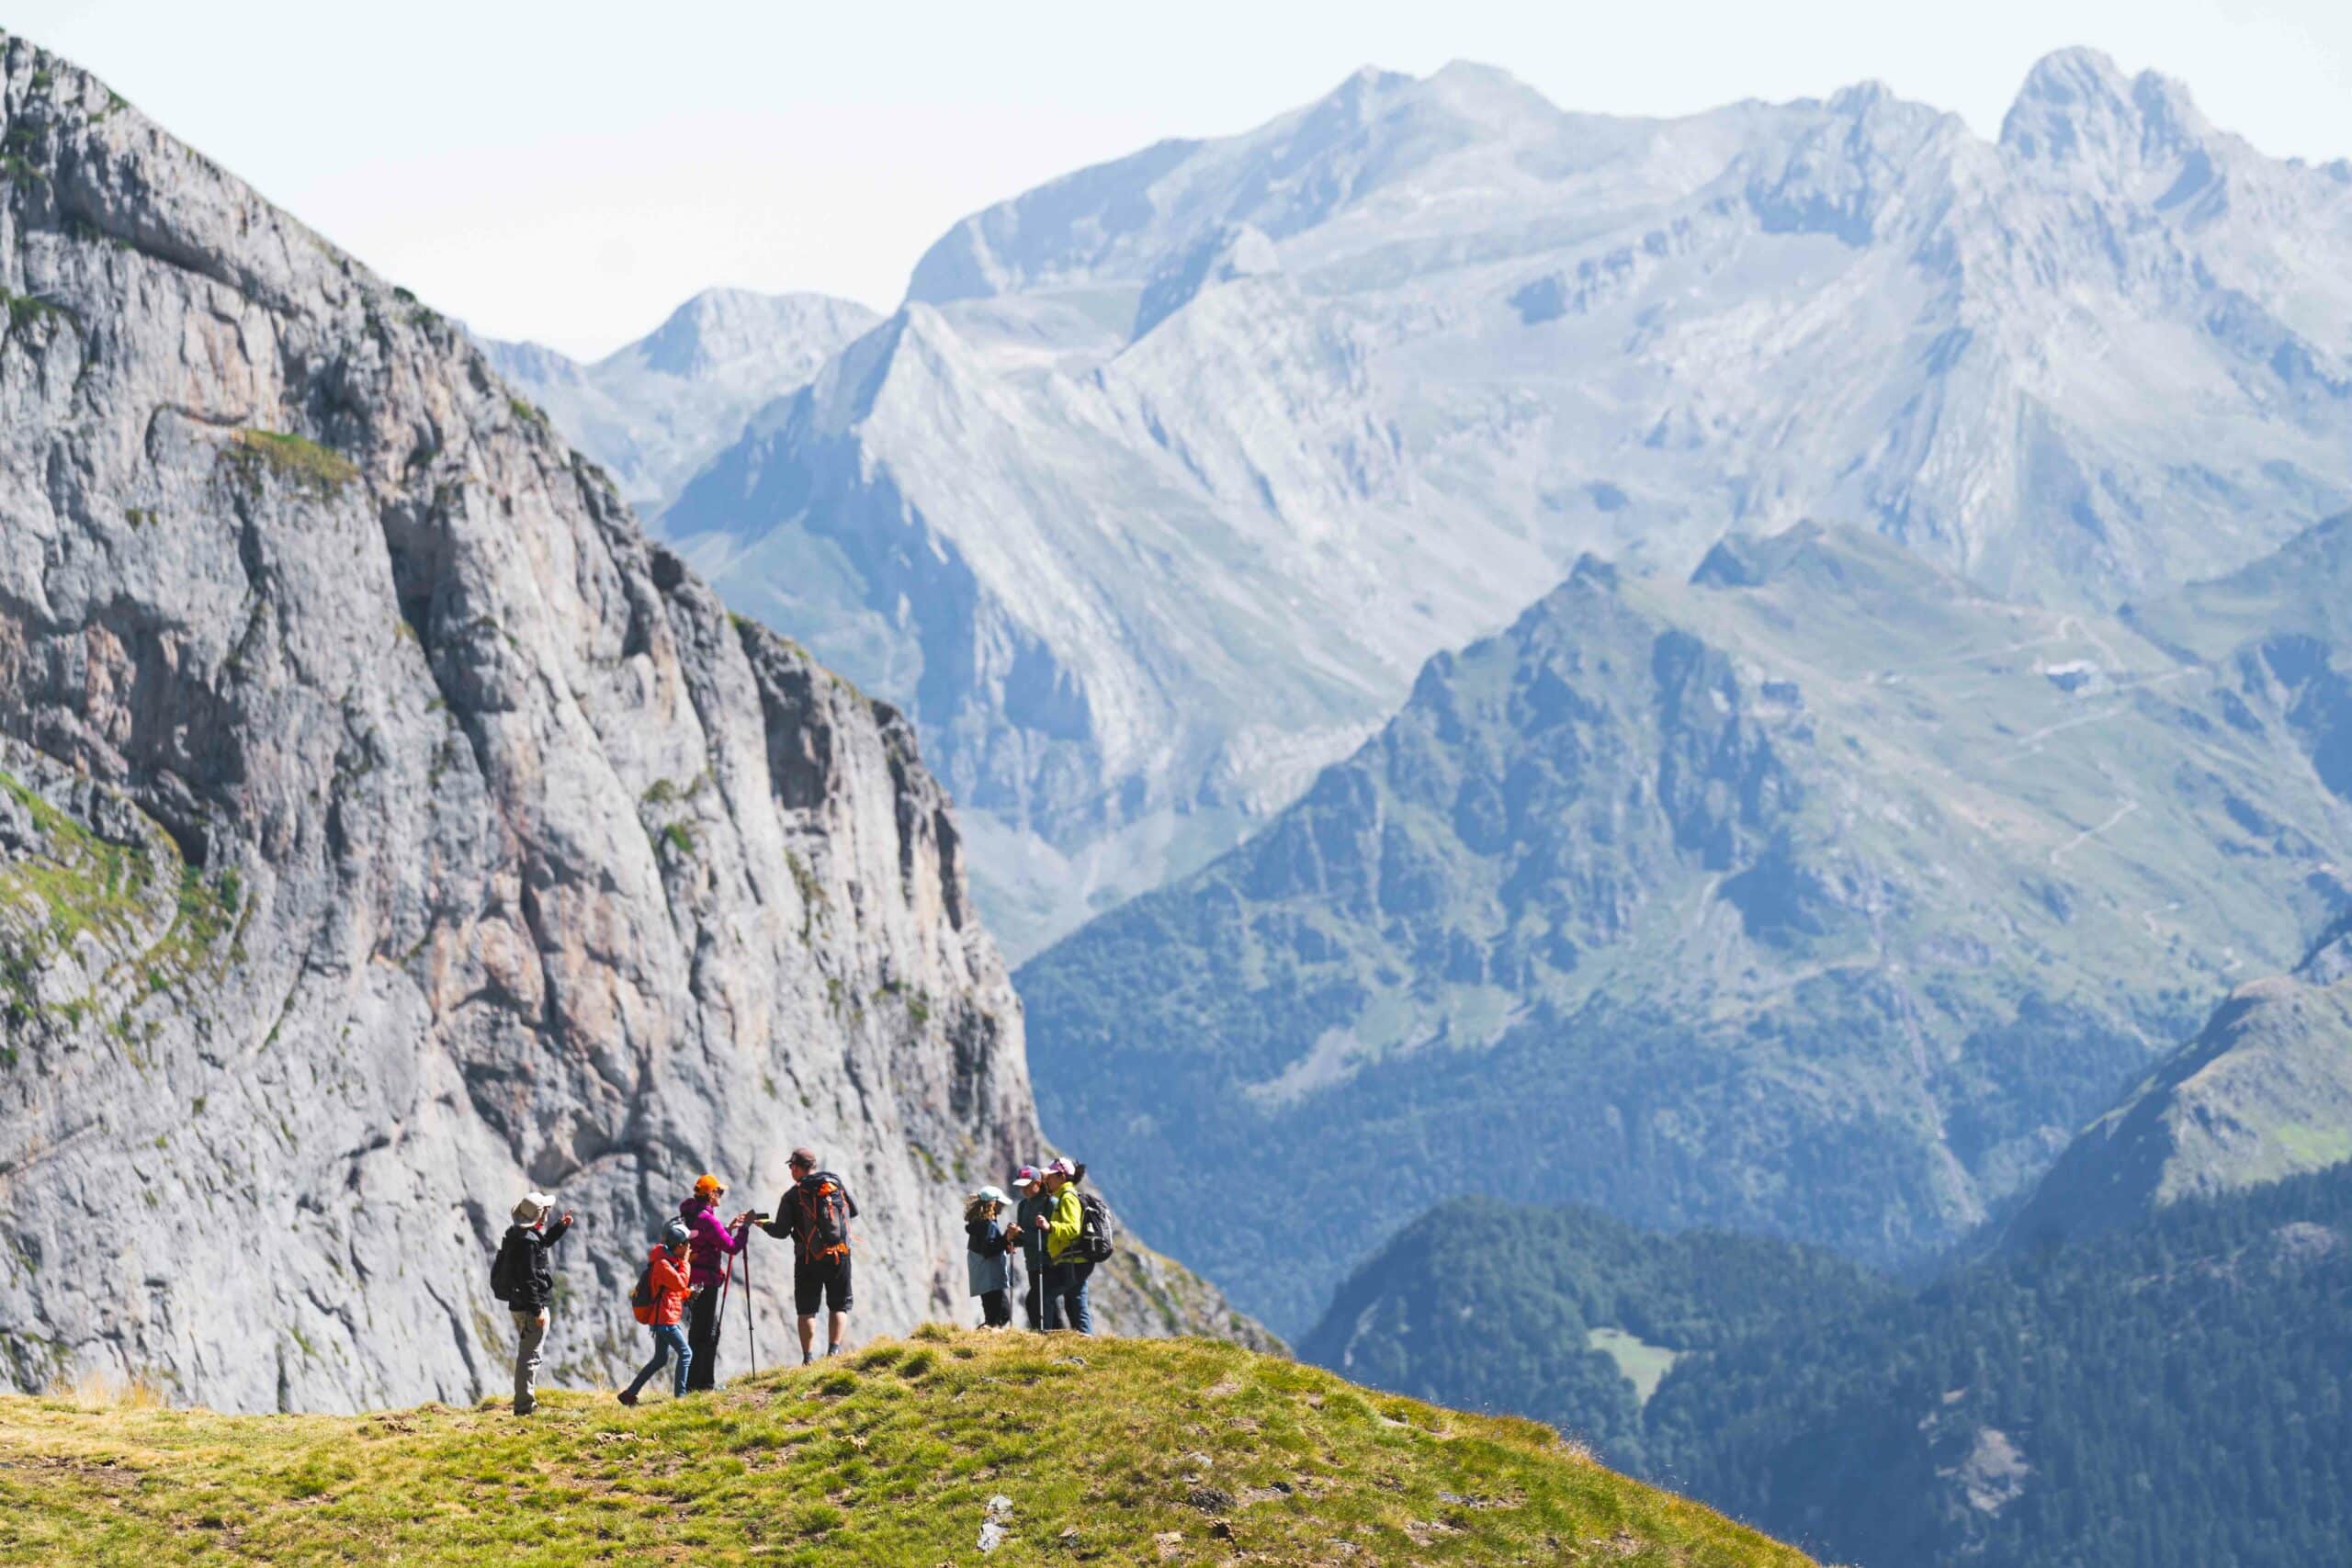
(1109,1451)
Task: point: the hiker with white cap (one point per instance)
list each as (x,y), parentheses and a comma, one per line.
(988,1257)
(524,1277)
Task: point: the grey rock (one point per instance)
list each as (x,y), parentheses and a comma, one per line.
(391,827)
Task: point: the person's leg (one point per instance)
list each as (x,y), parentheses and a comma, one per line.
(702,1340)
(1081,1316)
(996,1309)
(807,1295)
(645,1373)
(675,1339)
(1032,1297)
(837,1297)
(1056,1277)
(666,1341)
(531,1332)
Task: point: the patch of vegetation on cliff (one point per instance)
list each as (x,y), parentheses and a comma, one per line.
(297,461)
(81,882)
(1104,1450)
(75,883)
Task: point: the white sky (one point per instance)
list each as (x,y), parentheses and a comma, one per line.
(570,173)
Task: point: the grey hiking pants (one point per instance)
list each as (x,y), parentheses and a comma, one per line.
(531,1329)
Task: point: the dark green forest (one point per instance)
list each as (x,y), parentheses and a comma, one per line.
(1491,1306)
(2164,1395)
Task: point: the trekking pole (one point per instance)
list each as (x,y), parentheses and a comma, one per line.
(719,1314)
(751,1313)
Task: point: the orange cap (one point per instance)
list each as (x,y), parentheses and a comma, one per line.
(708,1186)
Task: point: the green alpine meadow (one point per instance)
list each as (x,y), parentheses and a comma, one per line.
(1105,1450)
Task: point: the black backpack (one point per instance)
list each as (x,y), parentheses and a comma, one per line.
(502,1268)
(1095,1241)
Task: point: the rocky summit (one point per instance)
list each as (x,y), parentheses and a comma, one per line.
(1167,475)
(386,828)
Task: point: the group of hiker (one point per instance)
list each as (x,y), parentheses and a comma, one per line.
(1060,1232)
(1062,1235)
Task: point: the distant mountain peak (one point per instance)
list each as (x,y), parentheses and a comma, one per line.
(2077,107)
(720,326)
(1861,96)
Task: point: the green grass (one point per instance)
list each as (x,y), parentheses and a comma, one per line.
(301,463)
(1111,1451)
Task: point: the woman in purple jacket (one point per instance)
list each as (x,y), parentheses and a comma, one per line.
(709,1243)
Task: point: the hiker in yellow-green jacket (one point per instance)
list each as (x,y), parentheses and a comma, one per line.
(1067,1268)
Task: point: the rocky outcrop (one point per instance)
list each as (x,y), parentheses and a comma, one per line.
(389,827)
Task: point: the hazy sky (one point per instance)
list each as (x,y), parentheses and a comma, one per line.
(570,172)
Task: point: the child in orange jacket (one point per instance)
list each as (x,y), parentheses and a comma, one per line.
(665,1273)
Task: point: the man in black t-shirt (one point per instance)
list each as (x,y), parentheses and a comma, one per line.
(815,1212)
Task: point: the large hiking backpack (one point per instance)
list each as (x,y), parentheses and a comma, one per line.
(1095,1241)
(822,1214)
(503,1268)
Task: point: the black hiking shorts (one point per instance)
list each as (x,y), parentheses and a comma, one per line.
(820,1281)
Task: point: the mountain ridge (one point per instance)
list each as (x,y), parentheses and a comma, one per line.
(1468,337)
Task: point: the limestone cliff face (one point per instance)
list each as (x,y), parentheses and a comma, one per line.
(389,827)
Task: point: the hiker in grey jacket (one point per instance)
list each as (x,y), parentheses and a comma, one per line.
(524,1277)
(1028,1232)
(988,1257)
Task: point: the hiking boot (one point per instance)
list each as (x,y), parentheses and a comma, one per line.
(628,1398)
(808,1358)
